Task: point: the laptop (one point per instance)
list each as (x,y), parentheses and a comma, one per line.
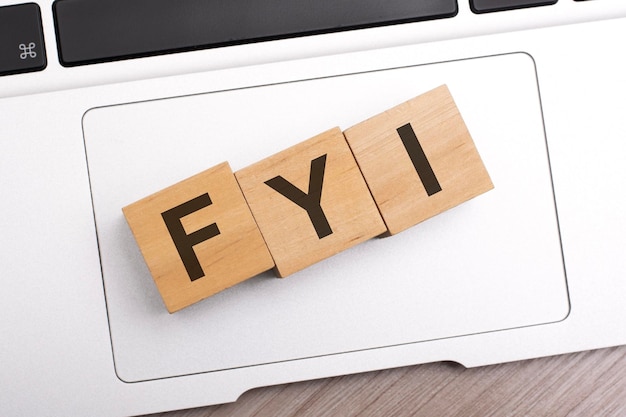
(105,103)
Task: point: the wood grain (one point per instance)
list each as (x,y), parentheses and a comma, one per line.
(350,214)
(237,252)
(575,385)
(442,151)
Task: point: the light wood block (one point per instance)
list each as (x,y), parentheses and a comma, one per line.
(301,227)
(198,237)
(437,169)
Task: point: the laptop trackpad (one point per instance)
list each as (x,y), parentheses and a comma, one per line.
(489,264)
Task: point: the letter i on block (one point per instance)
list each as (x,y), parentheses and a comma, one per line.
(418,159)
(310,202)
(198,237)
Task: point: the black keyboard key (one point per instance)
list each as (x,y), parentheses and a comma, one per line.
(98,31)
(486,6)
(22,47)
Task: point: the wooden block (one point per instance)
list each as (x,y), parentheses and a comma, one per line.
(418,159)
(300,225)
(198,237)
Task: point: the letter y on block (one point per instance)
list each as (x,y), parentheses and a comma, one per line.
(301,228)
(310,202)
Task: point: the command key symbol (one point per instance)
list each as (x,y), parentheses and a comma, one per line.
(27,50)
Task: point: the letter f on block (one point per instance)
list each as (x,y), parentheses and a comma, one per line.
(311,201)
(185,242)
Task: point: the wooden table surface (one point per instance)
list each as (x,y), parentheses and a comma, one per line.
(579,384)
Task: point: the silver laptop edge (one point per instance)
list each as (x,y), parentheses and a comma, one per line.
(84,332)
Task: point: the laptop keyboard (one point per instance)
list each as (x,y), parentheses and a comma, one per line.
(89,32)
(98,31)
(486,6)
(21,39)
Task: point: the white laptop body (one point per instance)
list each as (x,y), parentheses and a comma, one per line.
(534,267)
